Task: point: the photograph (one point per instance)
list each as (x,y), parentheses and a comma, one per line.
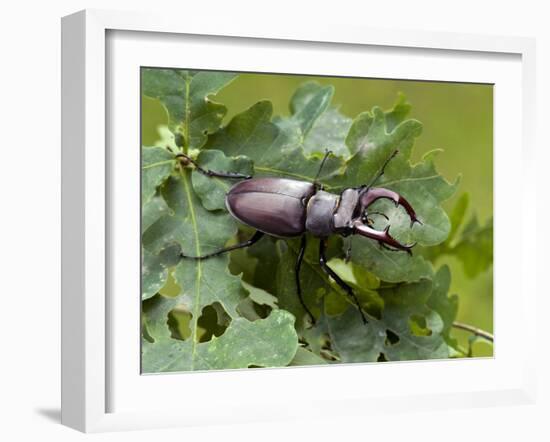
(308,220)
(292,222)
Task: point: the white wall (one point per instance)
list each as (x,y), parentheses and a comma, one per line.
(30,182)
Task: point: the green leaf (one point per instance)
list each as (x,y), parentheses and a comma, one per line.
(266,254)
(344,270)
(276,150)
(364,278)
(398,113)
(261,297)
(388,265)
(306,357)
(457,216)
(395,335)
(319,291)
(154,269)
(151,211)
(373,139)
(471,244)
(439,301)
(425,190)
(475,248)
(205,282)
(196,230)
(258,304)
(210,318)
(156,165)
(308,103)
(270,342)
(314,282)
(212,190)
(154,317)
(313,124)
(373,146)
(329,132)
(185,94)
(320,126)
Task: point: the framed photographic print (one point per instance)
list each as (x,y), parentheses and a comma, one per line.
(259,214)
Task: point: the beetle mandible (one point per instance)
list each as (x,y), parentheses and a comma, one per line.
(287,208)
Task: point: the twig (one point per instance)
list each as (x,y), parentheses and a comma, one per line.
(476,331)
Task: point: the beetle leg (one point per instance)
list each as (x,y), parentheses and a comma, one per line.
(337,279)
(255,238)
(383,237)
(234,175)
(297,274)
(375,193)
(211,173)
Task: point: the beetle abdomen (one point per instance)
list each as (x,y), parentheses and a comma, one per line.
(275,206)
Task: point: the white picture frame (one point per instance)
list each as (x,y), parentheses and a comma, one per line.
(89,321)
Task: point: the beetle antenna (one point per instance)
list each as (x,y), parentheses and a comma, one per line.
(382,169)
(327,153)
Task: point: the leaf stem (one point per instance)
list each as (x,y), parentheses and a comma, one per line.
(476,331)
(186,130)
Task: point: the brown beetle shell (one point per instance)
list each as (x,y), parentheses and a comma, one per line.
(276,206)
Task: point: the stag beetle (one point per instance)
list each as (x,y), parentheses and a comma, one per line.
(287,208)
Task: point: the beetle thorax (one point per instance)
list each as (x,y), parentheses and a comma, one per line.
(320,209)
(328,213)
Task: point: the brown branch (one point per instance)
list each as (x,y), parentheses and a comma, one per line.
(476,331)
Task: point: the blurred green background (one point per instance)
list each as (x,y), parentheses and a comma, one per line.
(457,118)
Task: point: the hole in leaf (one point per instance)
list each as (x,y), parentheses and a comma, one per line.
(252,311)
(213,322)
(418,326)
(258,304)
(391,338)
(179,322)
(170,288)
(150,319)
(381,358)
(263,310)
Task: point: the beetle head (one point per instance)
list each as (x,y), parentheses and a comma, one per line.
(363,224)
